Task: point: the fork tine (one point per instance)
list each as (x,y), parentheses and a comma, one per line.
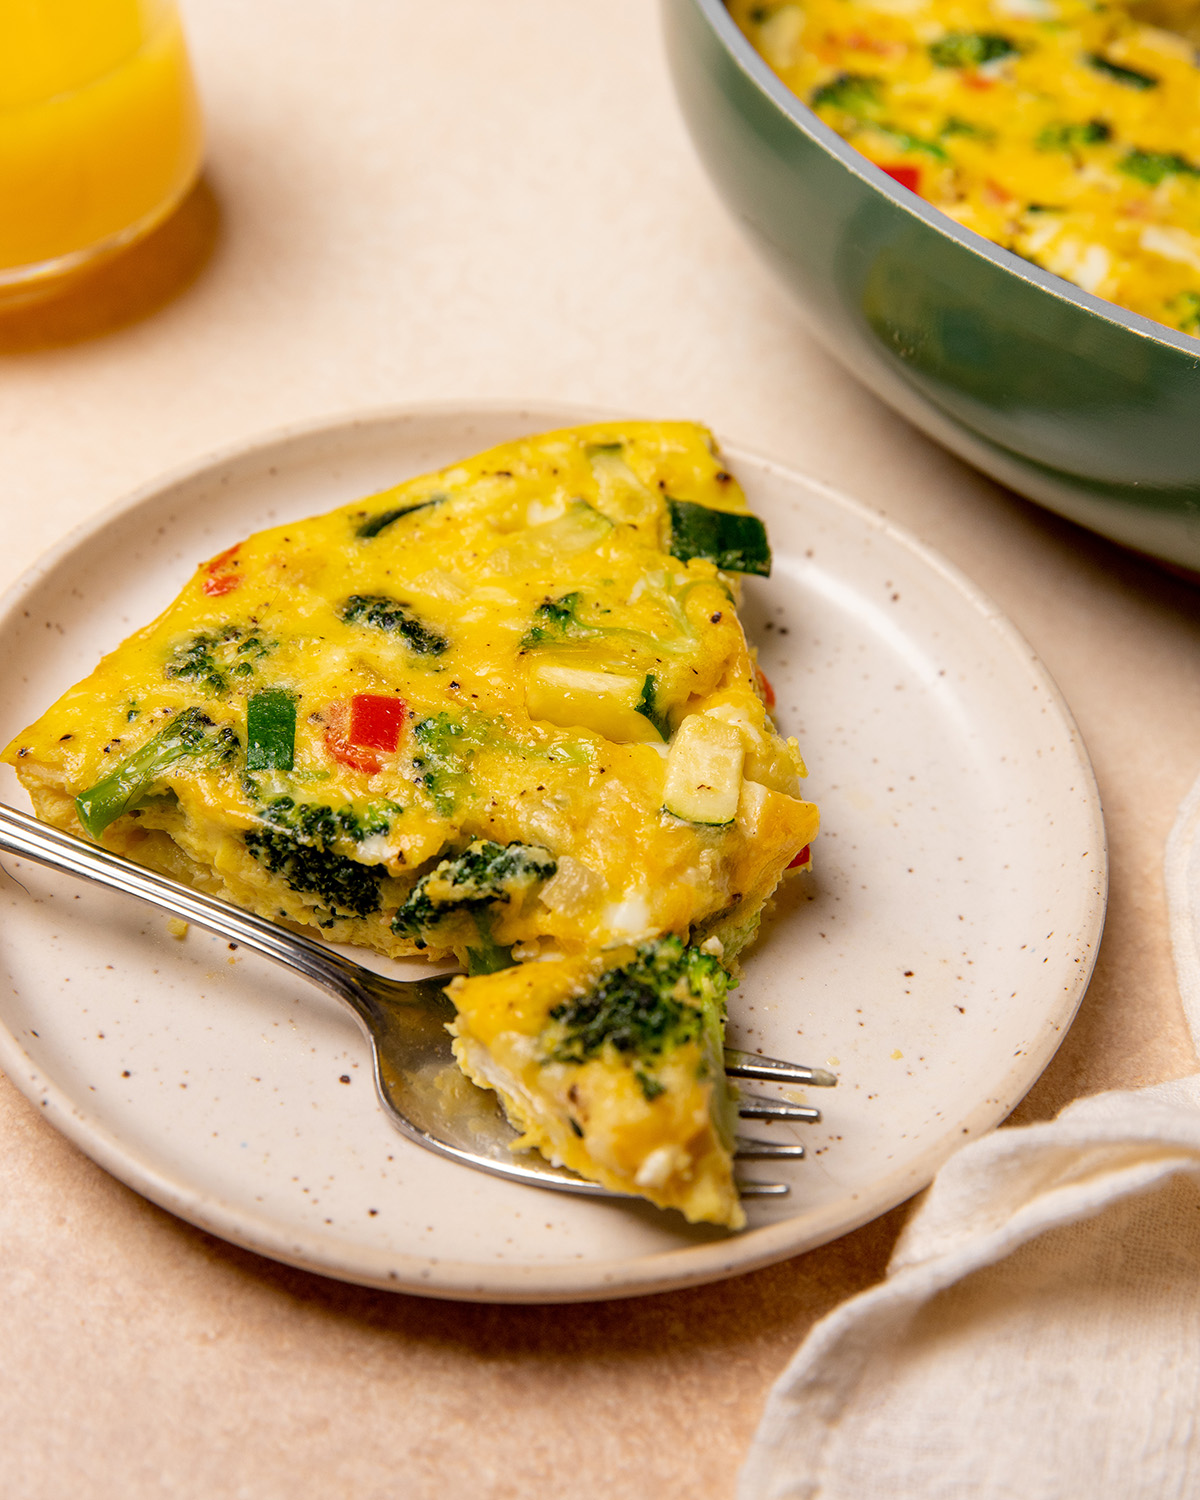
(750,1065)
(763,1189)
(779,1150)
(758,1107)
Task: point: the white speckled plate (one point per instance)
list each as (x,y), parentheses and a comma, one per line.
(934,958)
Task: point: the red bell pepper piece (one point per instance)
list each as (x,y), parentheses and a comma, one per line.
(909,177)
(359,728)
(764,683)
(219,575)
(376,721)
(803,858)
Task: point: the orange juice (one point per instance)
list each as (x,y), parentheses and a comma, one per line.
(100,132)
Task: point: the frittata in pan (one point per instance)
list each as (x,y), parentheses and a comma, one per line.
(502,715)
(1065,130)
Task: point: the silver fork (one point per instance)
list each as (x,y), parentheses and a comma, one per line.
(404,1020)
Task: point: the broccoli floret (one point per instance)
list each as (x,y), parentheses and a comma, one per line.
(906,141)
(556,620)
(196,659)
(189,734)
(298,842)
(955,125)
(1069,135)
(971,49)
(858,95)
(485,873)
(853,93)
(1151,167)
(315,822)
(346,888)
(209,657)
(249,651)
(1187,305)
(445,747)
(668,995)
(559,622)
(650,1086)
(382,613)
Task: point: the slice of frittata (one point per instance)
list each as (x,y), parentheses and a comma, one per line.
(501,713)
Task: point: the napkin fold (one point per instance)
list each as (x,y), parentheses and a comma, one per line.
(1038,1332)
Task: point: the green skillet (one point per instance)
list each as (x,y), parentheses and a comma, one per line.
(1090,410)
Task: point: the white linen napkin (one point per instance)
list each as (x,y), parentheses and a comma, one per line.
(1038,1333)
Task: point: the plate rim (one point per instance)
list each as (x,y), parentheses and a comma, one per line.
(534,1282)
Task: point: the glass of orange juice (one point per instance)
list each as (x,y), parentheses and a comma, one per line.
(100,132)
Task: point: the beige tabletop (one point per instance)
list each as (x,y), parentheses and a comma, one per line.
(462,200)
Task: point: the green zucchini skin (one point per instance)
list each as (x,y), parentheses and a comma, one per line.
(736,542)
(373,525)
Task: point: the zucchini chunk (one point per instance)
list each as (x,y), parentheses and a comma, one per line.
(736,541)
(704,771)
(613,704)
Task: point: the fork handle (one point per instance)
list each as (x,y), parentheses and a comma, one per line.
(30,839)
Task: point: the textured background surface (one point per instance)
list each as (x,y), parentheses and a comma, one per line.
(465,200)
